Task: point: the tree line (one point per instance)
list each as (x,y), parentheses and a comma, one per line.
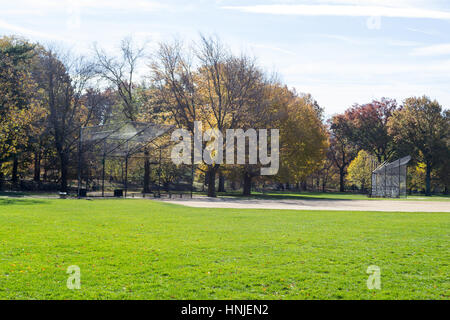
(47,94)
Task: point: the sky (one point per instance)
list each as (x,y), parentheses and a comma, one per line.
(341,51)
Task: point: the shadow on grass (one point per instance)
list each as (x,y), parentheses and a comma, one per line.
(12,194)
(20,201)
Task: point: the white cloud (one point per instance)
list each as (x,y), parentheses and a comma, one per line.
(337,97)
(434,50)
(360,41)
(28,32)
(343,69)
(388,3)
(336,85)
(427,32)
(272,48)
(64,5)
(344,10)
(121,5)
(403,43)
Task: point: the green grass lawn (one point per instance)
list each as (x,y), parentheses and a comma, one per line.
(139,249)
(328,196)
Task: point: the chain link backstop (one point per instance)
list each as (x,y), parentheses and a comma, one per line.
(390,179)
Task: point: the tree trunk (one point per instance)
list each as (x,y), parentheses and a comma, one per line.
(2,176)
(212,181)
(146,173)
(221,182)
(64,170)
(303,185)
(428,181)
(14,174)
(37,166)
(247,184)
(45,175)
(205,182)
(341,180)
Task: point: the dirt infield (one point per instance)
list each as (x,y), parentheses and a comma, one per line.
(336,205)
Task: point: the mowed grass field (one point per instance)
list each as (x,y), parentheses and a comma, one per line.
(140,249)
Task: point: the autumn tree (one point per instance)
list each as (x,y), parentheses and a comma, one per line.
(64,80)
(443,169)
(327,170)
(19,100)
(259,112)
(416,177)
(169,173)
(121,73)
(208,84)
(367,127)
(422,128)
(342,149)
(360,169)
(101,105)
(303,136)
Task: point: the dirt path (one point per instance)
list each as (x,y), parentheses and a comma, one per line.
(338,205)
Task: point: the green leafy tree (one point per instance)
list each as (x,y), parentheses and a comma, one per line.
(421,128)
(19,103)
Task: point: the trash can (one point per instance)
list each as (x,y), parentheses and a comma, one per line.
(83,193)
(118,193)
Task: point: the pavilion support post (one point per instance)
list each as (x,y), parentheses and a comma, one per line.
(159,173)
(103,177)
(146,187)
(371,178)
(406,181)
(192,174)
(87,179)
(103,169)
(126,175)
(126,172)
(399,178)
(80,141)
(192,179)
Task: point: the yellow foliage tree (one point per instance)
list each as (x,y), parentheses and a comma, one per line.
(417,176)
(303,136)
(360,170)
